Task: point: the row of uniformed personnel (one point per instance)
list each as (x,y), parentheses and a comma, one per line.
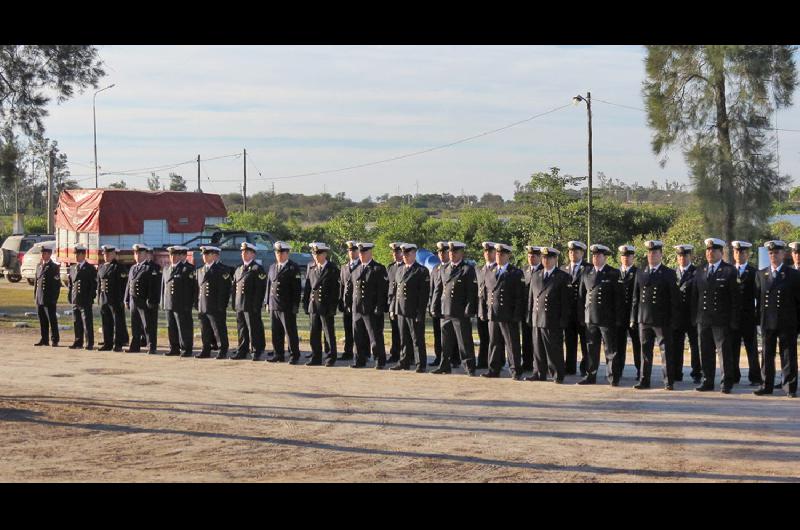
(544,306)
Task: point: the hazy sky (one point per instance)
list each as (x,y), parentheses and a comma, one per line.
(303,109)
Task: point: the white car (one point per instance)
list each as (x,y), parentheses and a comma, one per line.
(32,258)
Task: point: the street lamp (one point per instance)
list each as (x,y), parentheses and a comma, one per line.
(588,100)
(94,119)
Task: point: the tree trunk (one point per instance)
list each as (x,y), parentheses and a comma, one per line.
(726,184)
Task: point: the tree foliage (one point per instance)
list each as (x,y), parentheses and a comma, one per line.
(715,103)
(29,74)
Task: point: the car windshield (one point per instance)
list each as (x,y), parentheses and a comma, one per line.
(261,242)
(26,245)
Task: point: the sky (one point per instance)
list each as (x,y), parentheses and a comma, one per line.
(310,109)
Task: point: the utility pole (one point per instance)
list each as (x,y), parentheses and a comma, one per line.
(50,194)
(588,100)
(244,187)
(198,175)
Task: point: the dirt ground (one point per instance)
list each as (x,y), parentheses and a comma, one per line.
(74,415)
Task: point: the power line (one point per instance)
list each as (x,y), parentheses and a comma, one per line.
(417,153)
(138,171)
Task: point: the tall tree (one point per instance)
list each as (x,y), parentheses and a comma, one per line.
(548,193)
(153,182)
(176,182)
(30,75)
(715,102)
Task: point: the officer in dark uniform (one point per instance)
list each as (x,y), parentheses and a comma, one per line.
(284,291)
(604,308)
(746,333)
(778,312)
(247,297)
(435,304)
(549,309)
(320,298)
(482,323)
(685,272)
(111,281)
(82,284)
(576,329)
(213,296)
(505,304)
(143,295)
(458,292)
(627,273)
(716,308)
(45,293)
(412,292)
(178,296)
(655,307)
(795,251)
(346,297)
(534,255)
(370,289)
(391,270)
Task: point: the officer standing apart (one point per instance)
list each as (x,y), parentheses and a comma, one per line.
(458,292)
(370,288)
(534,255)
(247,293)
(391,270)
(490,262)
(45,294)
(178,297)
(346,297)
(795,247)
(435,303)
(604,315)
(716,312)
(412,292)
(549,310)
(320,298)
(778,295)
(213,297)
(82,284)
(576,329)
(143,296)
(627,273)
(655,309)
(111,281)
(685,328)
(505,306)
(284,291)
(746,333)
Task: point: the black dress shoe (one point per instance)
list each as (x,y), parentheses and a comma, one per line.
(214,347)
(221,356)
(117,348)
(421,369)
(791,394)
(187,354)
(255,357)
(586,381)
(517,377)
(42,343)
(169,353)
(532,378)
(393,359)
(346,357)
(238,356)
(763,392)
(435,362)
(441,370)
(558,381)
(132,350)
(380,366)
(75,346)
(294,360)
(669,387)
(615,382)
(203,355)
(641,385)
(358,365)
(481,366)
(491,375)
(312,362)
(276,360)
(725,390)
(54,344)
(705,388)
(330,362)
(398,366)
(152,352)
(104,348)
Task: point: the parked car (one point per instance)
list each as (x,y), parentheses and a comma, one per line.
(32,258)
(14,249)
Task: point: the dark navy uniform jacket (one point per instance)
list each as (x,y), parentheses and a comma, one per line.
(144,284)
(370,289)
(778,299)
(346,285)
(214,283)
(604,297)
(685,287)
(550,301)
(717,299)
(48,283)
(435,297)
(412,291)
(82,284)
(505,301)
(459,291)
(179,287)
(112,278)
(284,289)
(249,287)
(321,290)
(656,299)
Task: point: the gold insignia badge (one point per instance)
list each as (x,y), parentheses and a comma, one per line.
(262,276)
(123,275)
(226,275)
